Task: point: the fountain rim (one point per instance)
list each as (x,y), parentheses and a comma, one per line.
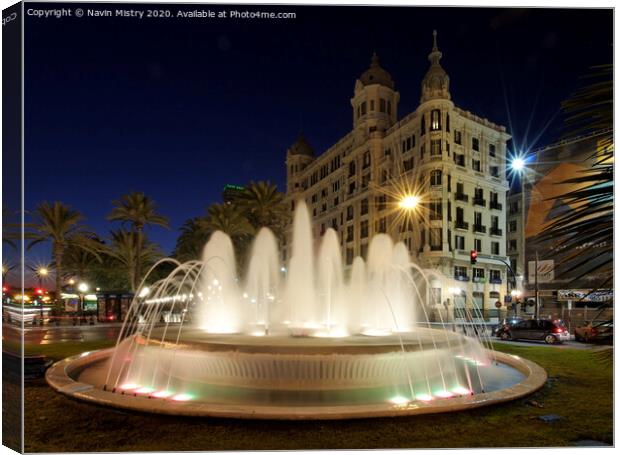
(60,377)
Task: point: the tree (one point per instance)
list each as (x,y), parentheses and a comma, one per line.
(62,226)
(583,237)
(129,248)
(137,210)
(231,220)
(194,235)
(264,206)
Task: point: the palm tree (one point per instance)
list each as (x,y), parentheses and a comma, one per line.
(194,234)
(231,220)
(583,237)
(139,211)
(264,206)
(62,226)
(129,248)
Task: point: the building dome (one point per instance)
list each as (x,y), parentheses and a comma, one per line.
(436,82)
(301,147)
(376,75)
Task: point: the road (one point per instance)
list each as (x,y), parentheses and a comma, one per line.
(60,334)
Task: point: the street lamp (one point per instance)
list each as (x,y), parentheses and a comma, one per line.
(515,293)
(82,288)
(409,202)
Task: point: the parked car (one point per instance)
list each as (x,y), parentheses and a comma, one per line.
(551,331)
(497,330)
(596,332)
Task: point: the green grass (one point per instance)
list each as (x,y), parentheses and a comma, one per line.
(580,390)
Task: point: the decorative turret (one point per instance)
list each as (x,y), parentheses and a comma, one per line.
(374,99)
(436,82)
(298,157)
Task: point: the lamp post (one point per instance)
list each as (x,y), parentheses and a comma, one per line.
(82,288)
(515,293)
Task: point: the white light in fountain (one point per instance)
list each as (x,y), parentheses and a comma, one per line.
(399,400)
(373,332)
(461,390)
(144,390)
(183,397)
(144,292)
(423,397)
(162,394)
(444,394)
(334,332)
(129,386)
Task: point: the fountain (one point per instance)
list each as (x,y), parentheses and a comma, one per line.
(309,341)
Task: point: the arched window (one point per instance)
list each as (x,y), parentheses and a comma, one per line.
(435,177)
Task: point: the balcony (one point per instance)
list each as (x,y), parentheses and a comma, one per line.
(496,231)
(461,224)
(461,277)
(495,280)
(480,228)
(480,201)
(495,205)
(461,197)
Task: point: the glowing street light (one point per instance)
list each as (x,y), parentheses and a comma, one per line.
(517,164)
(82,287)
(409,202)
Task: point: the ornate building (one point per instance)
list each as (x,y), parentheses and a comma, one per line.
(448,159)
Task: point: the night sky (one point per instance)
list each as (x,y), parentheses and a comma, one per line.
(178,108)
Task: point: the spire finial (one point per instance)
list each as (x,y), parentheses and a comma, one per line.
(374,60)
(435,40)
(435,54)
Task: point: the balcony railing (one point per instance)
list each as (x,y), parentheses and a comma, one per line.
(495,280)
(461,277)
(480,201)
(496,231)
(495,205)
(461,225)
(480,228)
(461,197)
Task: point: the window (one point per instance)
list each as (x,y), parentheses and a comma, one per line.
(363,250)
(365,180)
(389,107)
(382,225)
(350,233)
(372,105)
(448,122)
(435,120)
(364,108)
(408,164)
(475,144)
(434,208)
(351,187)
(384,176)
(381,105)
(334,223)
(366,160)
(351,168)
(513,207)
(475,164)
(459,242)
(459,214)
(436,177)
(349,256)
(460,271)
(478,273)
(494,222)
(335,186)
(435,239)
(457,137)
(349,213)
(477,219)
(422,150)
(459,159)
(435,147)
(387,152)
(494,247)
(423,125)
(381,202)
(364,229)
(491,149)
(364,207)
(512,226)
(494,171)
(495,276)
(478,245)
(479,196)
(512,245)
(336,201)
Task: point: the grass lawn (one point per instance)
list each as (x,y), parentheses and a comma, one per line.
(580,390)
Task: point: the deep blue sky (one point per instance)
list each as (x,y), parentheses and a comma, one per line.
(177,108)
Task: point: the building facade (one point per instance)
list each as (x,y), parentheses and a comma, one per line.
(451,160)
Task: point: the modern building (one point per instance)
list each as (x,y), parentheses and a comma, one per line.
(532,206)
(451,160)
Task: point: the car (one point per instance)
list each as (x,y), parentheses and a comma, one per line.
(551,331)
(497,330)
(596,332)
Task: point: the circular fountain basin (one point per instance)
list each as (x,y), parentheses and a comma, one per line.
(284,377)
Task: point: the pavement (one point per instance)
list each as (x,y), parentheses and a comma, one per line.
(38,335)
(565,345)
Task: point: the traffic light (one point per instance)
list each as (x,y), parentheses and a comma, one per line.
(473,256)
